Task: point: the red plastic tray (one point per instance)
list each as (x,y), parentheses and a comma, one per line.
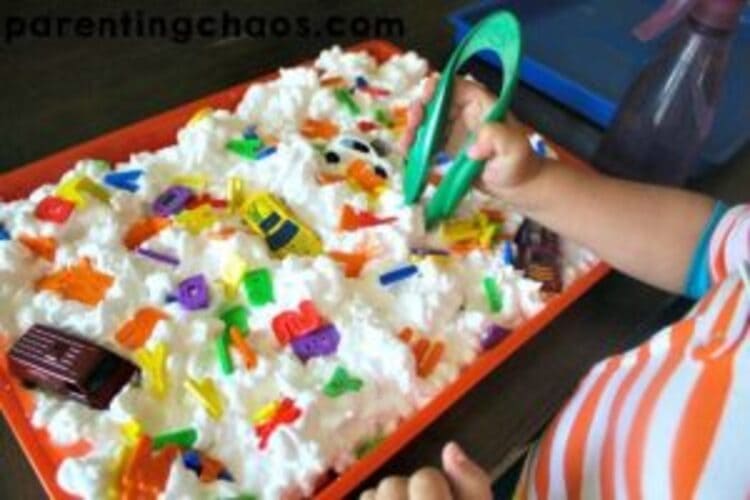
(160,131)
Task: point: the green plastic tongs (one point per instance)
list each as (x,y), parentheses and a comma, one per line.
(500,33)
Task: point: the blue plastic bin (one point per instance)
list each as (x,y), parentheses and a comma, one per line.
(582,53)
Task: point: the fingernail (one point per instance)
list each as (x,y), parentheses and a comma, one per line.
(458,454)
(473,152)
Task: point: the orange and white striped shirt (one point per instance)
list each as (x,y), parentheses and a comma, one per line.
(670,418)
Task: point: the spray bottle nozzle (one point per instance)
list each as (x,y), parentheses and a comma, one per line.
(664,18)
(717,14)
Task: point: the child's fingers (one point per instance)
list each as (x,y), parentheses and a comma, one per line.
(510,160)
(498,139)
(468,480)
(413,119)
(368,495)
(511,120)
(393,488)
(469,102)
(484,145)
(429,88)
(416,113)
(469,91)
(429,484)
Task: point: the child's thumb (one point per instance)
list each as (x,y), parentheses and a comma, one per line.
(498,139)
(468,480)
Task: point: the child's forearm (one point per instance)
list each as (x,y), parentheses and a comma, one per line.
(649,232)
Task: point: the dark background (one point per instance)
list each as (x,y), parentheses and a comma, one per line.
(58,92)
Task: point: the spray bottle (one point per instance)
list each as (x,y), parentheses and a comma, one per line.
(667,113)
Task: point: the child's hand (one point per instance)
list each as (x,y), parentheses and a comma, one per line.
(510,161)
(469,104)
(462,479)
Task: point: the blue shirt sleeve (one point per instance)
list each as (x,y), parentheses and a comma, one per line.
(698,279)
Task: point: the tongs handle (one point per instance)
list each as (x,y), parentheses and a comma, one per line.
(501,34)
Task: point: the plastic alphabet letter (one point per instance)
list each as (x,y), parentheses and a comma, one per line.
(153,363)
(184,438)
(492,292)
(383,118)
(232,272)
(207,395)
(236,317)
(266,152)
(124,180)
(346,100)
(223,355)
(145,474)
(341,382)
(200,115)
(238,342)
(235,193)
(135,332)
(172,201)
(68,190)
(508,253)
(332,81)
(430,359)
(353,262)
(196,182)
(86,185)
(142,230)
(275,415)
(493,335)
(193,293)
(265,413)
(353,219)
(365,126)
(258,286)
(321,342)
(72,190)
(290,324)
(162,257)
(79,282)
(207,468)
(376,92)
(247,148)
(427,354)
(398,274)
(367,446)
(197,219)
(54,209)
(457,230)
(41,246)
(363,175)
(131,431)
(319,129)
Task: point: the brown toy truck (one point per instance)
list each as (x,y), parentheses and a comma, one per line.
(539,255)
(51,359)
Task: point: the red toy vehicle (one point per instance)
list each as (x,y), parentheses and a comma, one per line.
(48,358)
(539,255)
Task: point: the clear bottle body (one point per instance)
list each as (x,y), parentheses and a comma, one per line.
(667,113)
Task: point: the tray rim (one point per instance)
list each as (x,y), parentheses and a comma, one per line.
(35,443)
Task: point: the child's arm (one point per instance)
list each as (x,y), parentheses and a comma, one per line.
(649,232)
